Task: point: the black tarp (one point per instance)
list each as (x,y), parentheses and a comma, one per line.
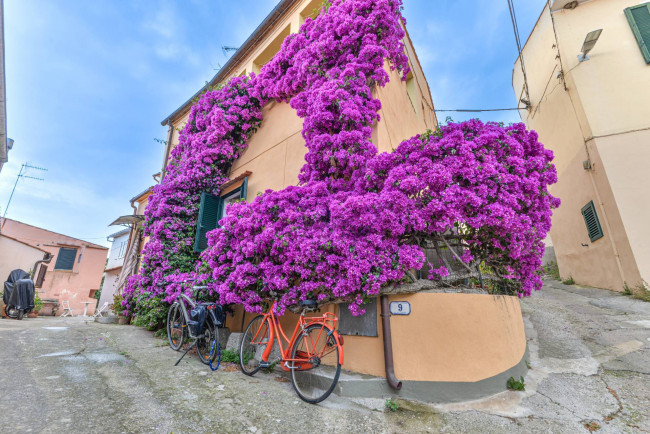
(19,291)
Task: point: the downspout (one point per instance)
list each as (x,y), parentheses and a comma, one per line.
(167,149)
(47,258)
(388,345)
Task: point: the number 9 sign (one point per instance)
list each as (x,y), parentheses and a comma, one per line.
(400,308)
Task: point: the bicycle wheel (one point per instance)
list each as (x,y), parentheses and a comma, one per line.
(316,364)
(204,344)
(176,328)
(253,344)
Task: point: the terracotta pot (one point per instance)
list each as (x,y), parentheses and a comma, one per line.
(123,320)
(32,314)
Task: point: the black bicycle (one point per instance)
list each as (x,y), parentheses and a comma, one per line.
(198,321)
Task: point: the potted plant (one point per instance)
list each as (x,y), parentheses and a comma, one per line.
(117,309)
(38,305)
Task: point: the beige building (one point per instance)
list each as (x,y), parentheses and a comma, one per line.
(474,342)
(594,113)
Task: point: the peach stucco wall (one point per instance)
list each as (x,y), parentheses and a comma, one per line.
(74,286)
(601,117)
(447,337)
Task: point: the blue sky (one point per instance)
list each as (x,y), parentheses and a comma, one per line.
(88,83)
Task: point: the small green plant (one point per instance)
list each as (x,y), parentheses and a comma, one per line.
(638,292)
(38,303)
(162,333)
(514,384)
(230,356)
(569,281)
(552,270)
(117,307)
(592,426)
(528,365)
(391,405)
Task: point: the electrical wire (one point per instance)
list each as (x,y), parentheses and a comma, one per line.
(515,28)
(481,110)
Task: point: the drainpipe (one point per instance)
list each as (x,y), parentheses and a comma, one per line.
(47,258)
(388,345)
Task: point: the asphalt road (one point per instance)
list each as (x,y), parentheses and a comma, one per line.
(589,358)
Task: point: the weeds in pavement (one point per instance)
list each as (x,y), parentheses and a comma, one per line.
(552,270)
(391,405)
(528,365)
(230,356)
(569,281)
(514,384)
(639,292)
(592,426)
(162,333)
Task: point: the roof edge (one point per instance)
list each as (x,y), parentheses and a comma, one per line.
(261,29)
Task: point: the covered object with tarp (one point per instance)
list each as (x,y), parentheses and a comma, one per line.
(19,291)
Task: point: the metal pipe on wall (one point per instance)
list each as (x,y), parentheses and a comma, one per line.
(388,345)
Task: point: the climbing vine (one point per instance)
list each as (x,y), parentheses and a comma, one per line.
(358,220)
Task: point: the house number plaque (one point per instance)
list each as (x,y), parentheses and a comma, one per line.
(400,308)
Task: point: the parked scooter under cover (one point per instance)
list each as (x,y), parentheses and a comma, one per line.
(18,294)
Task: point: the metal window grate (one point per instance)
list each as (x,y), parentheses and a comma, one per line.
(594,229)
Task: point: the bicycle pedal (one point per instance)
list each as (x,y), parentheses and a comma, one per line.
(265,364)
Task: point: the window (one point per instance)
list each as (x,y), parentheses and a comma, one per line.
(122,250)
(65,258)
(594,229)
(213,209)
(639,19)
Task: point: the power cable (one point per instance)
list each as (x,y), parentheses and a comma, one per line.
(515,28)
(480,110)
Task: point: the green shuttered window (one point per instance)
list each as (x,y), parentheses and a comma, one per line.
(639,19)
(65,258)
(208,216)
(591,220)
(213,209)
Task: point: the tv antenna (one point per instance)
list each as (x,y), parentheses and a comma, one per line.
(21,174)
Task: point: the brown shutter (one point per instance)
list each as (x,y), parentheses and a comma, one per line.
(41,276)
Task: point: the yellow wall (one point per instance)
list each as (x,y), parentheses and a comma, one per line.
(447,337)
(595,119)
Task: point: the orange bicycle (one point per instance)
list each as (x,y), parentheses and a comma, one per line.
(313,355)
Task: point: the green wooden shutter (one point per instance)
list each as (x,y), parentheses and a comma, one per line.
(208,214)
(243,190)
(639,19)
(591,220)
(65,259)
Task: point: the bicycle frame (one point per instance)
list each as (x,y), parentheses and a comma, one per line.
(328,319)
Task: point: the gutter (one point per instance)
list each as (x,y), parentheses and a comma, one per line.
(388,345)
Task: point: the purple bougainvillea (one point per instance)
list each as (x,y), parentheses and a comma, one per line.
(355,221)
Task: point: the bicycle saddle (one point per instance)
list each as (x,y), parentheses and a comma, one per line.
(308,304)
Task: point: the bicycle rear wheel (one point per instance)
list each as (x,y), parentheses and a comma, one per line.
(253,344)
(176,328)
(204,344)
(316,366)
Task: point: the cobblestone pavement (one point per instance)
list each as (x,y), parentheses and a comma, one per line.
(589,358)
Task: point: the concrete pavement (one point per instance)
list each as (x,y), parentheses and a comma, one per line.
(589,358)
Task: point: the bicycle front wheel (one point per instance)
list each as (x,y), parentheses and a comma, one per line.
(208,343)
(315,364)
(176,329)
(253,344)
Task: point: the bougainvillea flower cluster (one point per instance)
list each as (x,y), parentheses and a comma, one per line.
(349,228)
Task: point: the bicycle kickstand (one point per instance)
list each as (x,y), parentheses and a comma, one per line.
(186,351)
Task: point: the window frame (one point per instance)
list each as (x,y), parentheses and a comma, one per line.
(57,264)
(645,48)
(241,191)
